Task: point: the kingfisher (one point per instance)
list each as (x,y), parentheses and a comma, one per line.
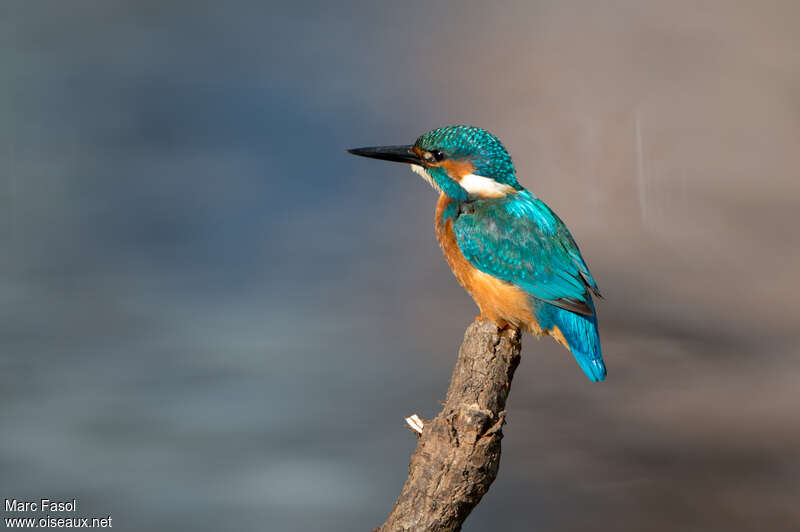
(506,247)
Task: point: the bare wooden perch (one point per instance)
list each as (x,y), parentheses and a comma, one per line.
(458,453)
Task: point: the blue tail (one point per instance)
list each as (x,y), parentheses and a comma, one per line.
(580,331)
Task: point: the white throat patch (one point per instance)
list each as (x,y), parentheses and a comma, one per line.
(476,185)
(485,187)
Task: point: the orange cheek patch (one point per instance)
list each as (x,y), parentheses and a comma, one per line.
(457,169)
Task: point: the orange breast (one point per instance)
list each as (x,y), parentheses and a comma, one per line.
(501,302)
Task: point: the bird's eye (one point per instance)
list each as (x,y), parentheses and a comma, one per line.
(433,155)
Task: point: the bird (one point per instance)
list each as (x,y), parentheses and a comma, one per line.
(505,246)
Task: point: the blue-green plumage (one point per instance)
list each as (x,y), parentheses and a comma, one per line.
(518,239)
(580,332)
(490,224)
(487,154)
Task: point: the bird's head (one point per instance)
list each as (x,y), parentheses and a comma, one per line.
(462,162)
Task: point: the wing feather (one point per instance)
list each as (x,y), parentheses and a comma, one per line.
(520,240)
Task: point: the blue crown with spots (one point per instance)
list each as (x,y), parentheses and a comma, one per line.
(485,151)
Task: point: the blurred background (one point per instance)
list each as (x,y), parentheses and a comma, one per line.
(214,318)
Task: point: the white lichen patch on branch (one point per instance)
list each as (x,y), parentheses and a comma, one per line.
(415,423)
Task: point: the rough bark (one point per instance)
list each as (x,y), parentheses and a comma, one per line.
(458,453)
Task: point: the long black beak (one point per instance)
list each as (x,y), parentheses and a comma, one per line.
(398,154)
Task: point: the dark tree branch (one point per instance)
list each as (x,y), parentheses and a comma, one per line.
(458,453)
